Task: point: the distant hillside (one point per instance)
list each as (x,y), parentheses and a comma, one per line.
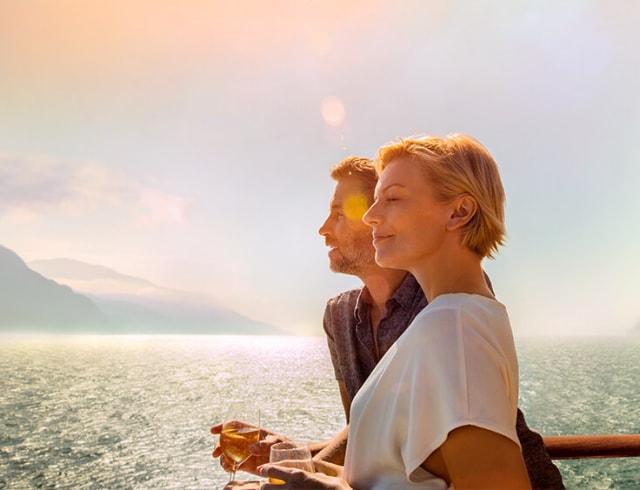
(29,301)
(135,305)
(103,281)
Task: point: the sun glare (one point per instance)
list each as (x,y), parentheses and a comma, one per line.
(355,206)
(333,111)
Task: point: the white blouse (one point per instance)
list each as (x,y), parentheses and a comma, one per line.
(455,365)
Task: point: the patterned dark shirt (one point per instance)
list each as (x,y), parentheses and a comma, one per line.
(347,326)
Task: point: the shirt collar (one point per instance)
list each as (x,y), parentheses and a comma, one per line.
(406,292)
(404,295)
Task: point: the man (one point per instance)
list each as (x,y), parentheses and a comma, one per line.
(363,323)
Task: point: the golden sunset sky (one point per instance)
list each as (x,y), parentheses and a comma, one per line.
(189,142)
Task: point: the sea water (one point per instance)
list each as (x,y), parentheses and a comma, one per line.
(135,411)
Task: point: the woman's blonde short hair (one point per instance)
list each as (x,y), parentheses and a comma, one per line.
(457,165)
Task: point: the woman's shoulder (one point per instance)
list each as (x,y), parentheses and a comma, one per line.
(459,314)
(466,303)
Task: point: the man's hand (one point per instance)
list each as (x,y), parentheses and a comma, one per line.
(260,450)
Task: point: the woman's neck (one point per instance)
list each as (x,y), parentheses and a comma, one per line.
(457,273)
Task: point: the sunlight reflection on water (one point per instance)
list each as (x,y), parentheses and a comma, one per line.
(134,412)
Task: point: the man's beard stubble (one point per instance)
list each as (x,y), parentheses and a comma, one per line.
(354,259)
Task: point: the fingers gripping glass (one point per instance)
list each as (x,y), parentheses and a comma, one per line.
(240,430)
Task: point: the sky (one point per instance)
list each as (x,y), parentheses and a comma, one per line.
(190,142)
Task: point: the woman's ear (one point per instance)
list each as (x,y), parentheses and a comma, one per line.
(464,208)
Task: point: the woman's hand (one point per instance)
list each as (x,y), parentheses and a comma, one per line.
(296,479)
(243,485)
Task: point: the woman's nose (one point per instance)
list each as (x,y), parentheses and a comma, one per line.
(370,217)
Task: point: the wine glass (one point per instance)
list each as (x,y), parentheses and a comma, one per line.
(290,455)
(240,430)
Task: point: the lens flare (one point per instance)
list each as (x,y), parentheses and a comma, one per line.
(333,111)
(355,206)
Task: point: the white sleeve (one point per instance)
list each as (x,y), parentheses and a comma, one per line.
(459,372)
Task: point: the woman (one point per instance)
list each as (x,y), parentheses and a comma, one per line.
(439,410)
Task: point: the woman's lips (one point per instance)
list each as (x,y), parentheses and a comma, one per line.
(378,239)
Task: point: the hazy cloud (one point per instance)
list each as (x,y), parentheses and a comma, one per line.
(32,187)
(157,208)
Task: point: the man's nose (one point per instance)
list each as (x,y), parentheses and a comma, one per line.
(324,229)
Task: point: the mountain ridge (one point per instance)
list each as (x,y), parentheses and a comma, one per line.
(31,301)
(110,302)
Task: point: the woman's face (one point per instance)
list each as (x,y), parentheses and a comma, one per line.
(409,224)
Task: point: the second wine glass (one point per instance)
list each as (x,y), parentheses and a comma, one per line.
(290,455)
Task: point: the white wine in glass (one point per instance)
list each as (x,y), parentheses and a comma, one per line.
(290,455)
(240,430)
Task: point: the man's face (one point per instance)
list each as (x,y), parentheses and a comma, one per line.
(349,238)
